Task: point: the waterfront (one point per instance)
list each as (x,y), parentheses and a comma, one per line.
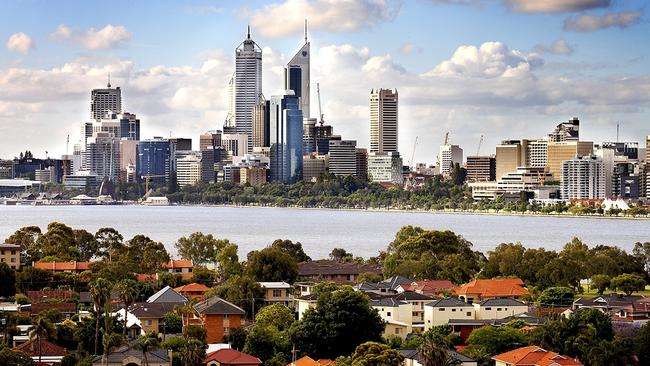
(364,233)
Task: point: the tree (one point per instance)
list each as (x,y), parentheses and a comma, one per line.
(110,242)
(146,343)
(59,242)
(495,340)
(628,283)
(271,264)
(435,345)
(641,251)
(600,282)
(199,248)
(100,292)
(293,249)
(15,358)
(25,237)
(192,353)
(642,345)
(376,354)
(341,255)
(277,315)
(242,291)
(556,296)
(128,292)
(8,282)
(237,338)
(265,341)
(172,323)
(341,320)
(87,245)
(228,261)
(41,328)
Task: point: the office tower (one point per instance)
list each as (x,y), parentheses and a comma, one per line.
(309,136)
(236,143)
(208,170)
(154,159)
(324,134)
(481,168)
(362,163)
(582,177)
(343,157)
(566,131)
(537,153)
(448,156)
(209,138)
(286,134)
(296,75)
(385,167)
(625,179)
(129,126)
(314,166)
(565,150)
(104,100)
(261,124)
(607,157)
(646,182)
(230,117)
(510,155)
(127,159)
(102,156)
(247,86)
(383,120)
(188,165)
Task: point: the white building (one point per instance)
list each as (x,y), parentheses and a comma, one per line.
(397,314)
(582,178)
(537,151)
(188,167)
(236,143)
(385,168)
(104,100)
(247,87)
(448,156)
(296,75)
(441,311)
(383,120)
(499,308)
(102,155)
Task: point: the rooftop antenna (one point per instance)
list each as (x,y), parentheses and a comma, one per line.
(249,31)
(109,80)
(305,30)
(617,131)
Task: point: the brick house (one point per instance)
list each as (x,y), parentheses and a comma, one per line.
(218,317)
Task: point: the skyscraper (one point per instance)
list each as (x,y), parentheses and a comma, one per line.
(582,178)
(104,100)
(448,156)
(261,124)
(383,120)
(154,160)
(296,75)
(102,155)
(285,133)
(247,86)
(343,157)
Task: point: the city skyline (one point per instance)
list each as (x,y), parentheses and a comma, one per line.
(497,84)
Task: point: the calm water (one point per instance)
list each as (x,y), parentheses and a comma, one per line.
(361,232)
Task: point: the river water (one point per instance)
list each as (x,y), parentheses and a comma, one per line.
(364,233)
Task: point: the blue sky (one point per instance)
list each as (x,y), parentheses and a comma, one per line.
(502,68)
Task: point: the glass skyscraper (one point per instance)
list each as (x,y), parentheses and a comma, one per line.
(286,134)
(153,159)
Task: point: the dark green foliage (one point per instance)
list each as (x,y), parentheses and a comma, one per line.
(376,354)
(556,296)
(293,249)
(271,264)
(628,283)
(242,291)
(15,358)
(8,282)
(237,338)
(172,323)
(494,340)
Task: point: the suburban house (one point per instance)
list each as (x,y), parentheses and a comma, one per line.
(168,295)
(183,268)
(50,296)
(638,311)
(218,317)
(67,309)
(396,282)
(417,302)
(231,357)
(333,271)
(72,267)
(150,315)
(397,314)
(10,254)
(193,291)
(370,288)
(133,357)
(606,303)
(465,327)
(479,290)
(305,302)
(308,361)
(277,293)
(441,311)
(499,308)
(303,288)
(48,352)
(412,358)
(433,288)
(533,356)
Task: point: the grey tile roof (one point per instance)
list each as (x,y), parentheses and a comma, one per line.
(216,305)
(413,354)
(123,352)
(395,281)
(152,310)
(412,296)
(167,294)
(387,301)
(501,302)
(449,302)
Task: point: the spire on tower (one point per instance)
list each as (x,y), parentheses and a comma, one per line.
(109,80)
(305,30)
(249,32)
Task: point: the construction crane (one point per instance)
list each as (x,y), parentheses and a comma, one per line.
(415,144)
(146,181)
(65,159)
(446,138)
(478,149)
(320,111)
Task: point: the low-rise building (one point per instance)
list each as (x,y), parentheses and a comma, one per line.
(499,308)
(167,295)
(533,356)
(277,293)
(182,267)
(10,254)
(230,357)
(72,267)
(193,291)
(126,355)
(150,315)
(333,271)
(397,314)
(218,317)
(303,303)
(42,352)
(439,312)
(417,301)
(478,290)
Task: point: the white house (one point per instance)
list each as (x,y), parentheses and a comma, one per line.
(499,308)
(439,312)
(397,314)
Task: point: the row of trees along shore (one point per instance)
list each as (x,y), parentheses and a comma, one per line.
(342,325)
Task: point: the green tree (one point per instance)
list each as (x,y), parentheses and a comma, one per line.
(193,353)
(15,358)
(173,323)
(237,338)
(146,343)
(341,320)
(8,283)
(435,345)
(376,354)
(59,242)
(556,296)
(87,245)
(26,237)
(242,291)
(628,283)
(128,292)
(600,282)
(641,251)
(271,264)
(642,344)
(277,315)
(341,255)
(199,248)
(265,341)
(495,340)
(110,242)
(100,292)
(293,249)
(228,261)
(41,329)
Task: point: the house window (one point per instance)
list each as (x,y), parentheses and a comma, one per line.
(397,331)
(498,309)
(277,293)
(148,322)
(13,260)
(488,309)
(226,330)
(469,313)
(349,277)
(388,313)
(189,270)
(441,309)
(453,309)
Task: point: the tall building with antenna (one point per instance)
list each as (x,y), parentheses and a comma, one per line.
(247,86)
(104,100)
(296,75)
(383,120)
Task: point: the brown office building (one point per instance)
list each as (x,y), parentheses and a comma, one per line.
(481,168)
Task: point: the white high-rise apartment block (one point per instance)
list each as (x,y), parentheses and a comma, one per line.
(583,178)
(537,151)
(104,100)
(385,168)
(247,86)
(383,120)
(102,155)
(188,168)
(296,76)
(448,156)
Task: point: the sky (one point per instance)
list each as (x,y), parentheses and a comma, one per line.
(504,69)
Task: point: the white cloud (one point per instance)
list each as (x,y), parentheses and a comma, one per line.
(108,37)
(204,9)
(409,48)
(281,19)
(590,23)
(559,47)
(555,6)
(20,42)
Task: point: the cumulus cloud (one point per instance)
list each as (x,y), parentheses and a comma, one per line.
(555,6)
(20,42)
(409,48)
(108,37)
(590,23)
(559,47)
(281,19)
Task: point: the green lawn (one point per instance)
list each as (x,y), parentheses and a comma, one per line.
(593,292)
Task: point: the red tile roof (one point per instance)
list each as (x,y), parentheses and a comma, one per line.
(535,356)
(502,287)
(308,361)
(45,295)
(178,264)
(63,266)
(63,308)
(31,348)
(228,356)
(193,287)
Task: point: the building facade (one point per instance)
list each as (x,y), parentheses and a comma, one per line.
(582,178)
(296,76)
(383,120)
(104,100)
(343,157)
(560,151)
(286,136)
(481,168)
(385,168)
(247,87)
(153,160)
(448,156)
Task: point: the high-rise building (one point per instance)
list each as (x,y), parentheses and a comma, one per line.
(247,86)
(102,156)
(313,166)
(385,168)
(261,124)
(154,159)
(582,177)
(566,131)
(647,167)
(309,136)
(296,75)
(286,134)
(188,168)
(362,163)
(566,150)
(481,168)
(104,100)
(537,153)
(448,156)
(383,120)
(127,159)
(510,155)
(343,157)
(129,126)
(236,143)
(209,138)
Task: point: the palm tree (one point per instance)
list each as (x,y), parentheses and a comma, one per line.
(147,343)
(100,291)
(110,341)
(192,353)
(434,351)
(41,327)
(128,292)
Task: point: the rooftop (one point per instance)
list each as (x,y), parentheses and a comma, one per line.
(535,356)
(216,305)
(274,284)
(501,302)
(329,267)
(192,287)
(502,287)
(63,266)
(231,357)
(449,302)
